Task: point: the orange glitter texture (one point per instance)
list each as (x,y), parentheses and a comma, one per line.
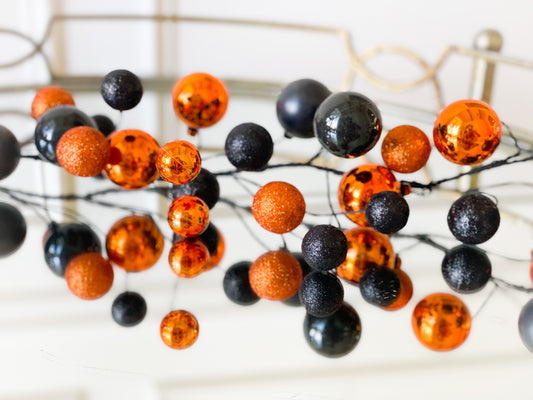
(134,243)
(89,276)
(278,207)
(405,149)
(178,162)
(179,329)
(275,275)
(188,257)
(467,132)
(188,216)
(49,97)
(406,292)
(441,322)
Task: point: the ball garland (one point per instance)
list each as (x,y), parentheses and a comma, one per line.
(324,247)
(249,147)
(13,230)
(9,152)
(128,309)
(466,269)
(121,89)
(237,286)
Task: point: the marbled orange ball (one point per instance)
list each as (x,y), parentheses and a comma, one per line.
(49,97)
(179,162)
(89,276)
(405,149)
(188,216)
(179,329)
(188,257)
(441,321)
(406,291)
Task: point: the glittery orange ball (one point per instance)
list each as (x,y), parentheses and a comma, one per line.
(188,216)
(188,257)
(276,275)
(89,276)
(49,97)
(216,256)
(83,151)
(467,132)
(179,329)
(278,207)
(200,100)
(178,162)
(441,322)
(132,159)
(366,248)
(134,243)
(406,291)
(405,149)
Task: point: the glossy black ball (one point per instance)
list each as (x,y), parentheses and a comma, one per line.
(387,212)
(321,293)
(128,309)
(13,231)
(324,247)
(306,269)
(347,124)
(336,335)
(9,152)
(297,104)
(53,124)
(66,241)
(249,147)
(104,124)
(236,284)
(204,186)
(380,286)
(473,218)
(121,89)
(466,269)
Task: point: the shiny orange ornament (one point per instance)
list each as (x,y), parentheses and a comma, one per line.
(276,275)
(179,329)
(405,149)
(366,248)
(278,207)
(441,322)
(406,291)
(188,216)
(178,162)
(133,155)
(467,132)
(89,276)
(359,185)
(188,257)
(49,97)
(216,256)
(83,151)
(134,243)
(200,100)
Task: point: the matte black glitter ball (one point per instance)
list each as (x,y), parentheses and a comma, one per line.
(473,218)
(380,286)
(104,124)
(9,152)
(128,309)
(249,147)
(324,247)
(13,231)
(236,284)
(466,269)
(204,186)
(387,212)
(321,293)
(121,89)
(306,269)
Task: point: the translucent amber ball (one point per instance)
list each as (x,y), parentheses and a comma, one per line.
(441,322)
(134,243)
(405,149)
(49,97)
(366,248)
(178,162)
(467,132)
(359,185)
(89,276)
(132,159)
(406,291)
(188,258)
(188,216)
(179,329)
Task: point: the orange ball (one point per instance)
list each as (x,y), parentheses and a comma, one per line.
(83,151)
(276,275)
(406,292)
(441,322)
(278,207)
(216,256)
(132,159)
(179,329)
(49,97)
(178,162)
(467,132)
(359,185)
(366,248)
(405,149)
(134,243)
(89,276)
(188,216)
(200,100)
(188,257)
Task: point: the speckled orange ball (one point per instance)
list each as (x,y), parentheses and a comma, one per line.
(406,291)
(188,216)
(179,329)
(276,275)
(405,149)
(278,207)
(83,151)
(188,257)
(49,97)
(178,162)
(89,276)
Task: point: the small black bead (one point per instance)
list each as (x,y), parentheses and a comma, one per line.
(466,269)
(121,89)
(321,293)
(128,309)
(204,185)
(387,212)
(104,124)
(13,231)
(324,247)
(306,269)
(237,284)
(9,152)
(249,147)
(380,286)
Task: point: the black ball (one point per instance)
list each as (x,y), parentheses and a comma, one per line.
(387,212)
(249,147)
(121,89)
(380,286)
(324,247)
(104,124)
(336,335)
(210,238)
(306,269)
(53,124)
(66,241)
(347,124)
(204,185)
(13,230)
(237,284)
(297,104)
(9,152)
(466,269)
(473,218)
(128,309)
(321,293)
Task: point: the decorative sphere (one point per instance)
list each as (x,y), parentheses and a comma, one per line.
(121,89)
(204,186)
(324,247)
(128,309)
(467,132)
(13,230)
(441,322)
(347,124)
(188,216)
(236,284)
(249,147)
(405,149)
(406,291)
(215,243)
(49,97)
(104,124)
(9,152)
(178,162)
(387,212)
(278,207)
(188,257)
(525,325)
(306,269)
(380,286)
(89,276)
(179,329)
(321,293)
(466,269)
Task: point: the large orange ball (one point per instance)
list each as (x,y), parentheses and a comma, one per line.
(405,149)
(188,216)
(89,276)
(188,257)
(179,162)
(179,329)
(49,97)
